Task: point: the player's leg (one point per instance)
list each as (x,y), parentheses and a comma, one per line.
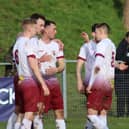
(94,101)
(93,117)
(27,120)
(88,124)
(13,116)
(38,122)
(103,118)
(57,103)
(60,122)
(18,121)
(38,117)
(11,121)
(30,93)
(107,101)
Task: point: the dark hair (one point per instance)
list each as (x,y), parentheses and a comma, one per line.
(36,16)
(49,22)
(127,34)
(93,27)
(105,26)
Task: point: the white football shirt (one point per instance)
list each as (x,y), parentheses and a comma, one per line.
(52,49)
(24,48)
(105,59)
(87,53)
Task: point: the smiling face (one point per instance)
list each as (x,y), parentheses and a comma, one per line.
(40,25)
(50,31)
(98,34)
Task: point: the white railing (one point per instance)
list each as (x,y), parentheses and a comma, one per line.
(64,83)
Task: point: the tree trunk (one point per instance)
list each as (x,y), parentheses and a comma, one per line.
(126,14)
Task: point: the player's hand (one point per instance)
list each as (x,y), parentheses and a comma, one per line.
(80,87)
(85,36)
(45,58)
(46,90)
(123,67)
(61,44)
(41,107)
(97,69)
(51,71)
(88,90)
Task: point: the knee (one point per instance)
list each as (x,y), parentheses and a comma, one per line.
(59,114)
(92,111)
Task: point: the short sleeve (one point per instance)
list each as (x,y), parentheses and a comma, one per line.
(60,54)
(82,53)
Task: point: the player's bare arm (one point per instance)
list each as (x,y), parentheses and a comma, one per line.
(85,36)
(80,86)
(33,62)
(88,89)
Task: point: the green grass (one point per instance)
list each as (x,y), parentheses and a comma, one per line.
(72,17)
(78,123)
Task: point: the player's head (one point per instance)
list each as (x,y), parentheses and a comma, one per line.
(102,30)
(29,26)
(127,36)
(40,22)
(50,29)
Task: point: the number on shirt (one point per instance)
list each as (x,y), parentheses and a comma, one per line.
(16,57)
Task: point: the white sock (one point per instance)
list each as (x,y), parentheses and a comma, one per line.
(11,121)
(17,125)
(97,122)
(26,124)
(60,124)
(104,119)
(38,123)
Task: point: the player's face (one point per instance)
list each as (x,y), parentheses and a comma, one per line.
(33,29)
(93,35)
(51,31)
(40,25)
(98,34)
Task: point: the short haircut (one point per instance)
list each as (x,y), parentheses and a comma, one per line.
(127,34)
(28,21)
(37,16)
(93,27)
(105,26)
(49,22)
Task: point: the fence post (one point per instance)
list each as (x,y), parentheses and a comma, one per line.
(65,91)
